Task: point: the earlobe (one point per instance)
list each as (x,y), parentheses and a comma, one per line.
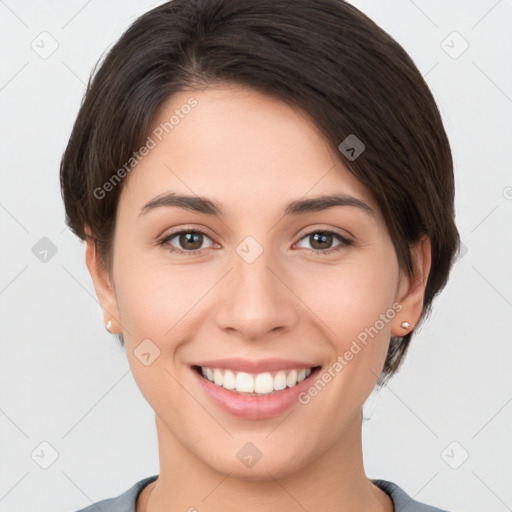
(411,291)
(103,286)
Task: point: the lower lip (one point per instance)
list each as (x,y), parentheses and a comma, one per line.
(254,407)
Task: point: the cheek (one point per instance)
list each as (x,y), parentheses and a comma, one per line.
(156,302)
(355,300)
(153,295)
(351,296)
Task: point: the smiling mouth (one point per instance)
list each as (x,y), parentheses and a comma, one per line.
(255,384)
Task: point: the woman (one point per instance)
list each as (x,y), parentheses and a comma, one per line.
(266,191)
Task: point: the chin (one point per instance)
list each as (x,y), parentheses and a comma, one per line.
(278,463)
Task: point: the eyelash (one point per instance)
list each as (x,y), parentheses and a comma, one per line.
(164,242)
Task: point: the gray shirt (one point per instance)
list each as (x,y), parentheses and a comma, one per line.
(126,501)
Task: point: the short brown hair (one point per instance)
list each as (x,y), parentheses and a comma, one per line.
(322,56)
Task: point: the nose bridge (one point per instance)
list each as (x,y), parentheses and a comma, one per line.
(255,301)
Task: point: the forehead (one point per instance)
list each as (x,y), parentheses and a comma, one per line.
(236,144)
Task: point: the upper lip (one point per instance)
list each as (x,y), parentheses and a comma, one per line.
(251,366)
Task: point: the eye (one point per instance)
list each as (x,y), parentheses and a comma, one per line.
(321,241)
(190,240)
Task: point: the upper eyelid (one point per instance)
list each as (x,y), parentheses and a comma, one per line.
(316,229)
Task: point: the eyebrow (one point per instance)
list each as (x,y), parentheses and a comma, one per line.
(298,207)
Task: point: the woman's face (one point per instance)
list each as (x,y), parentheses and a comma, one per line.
(268,290)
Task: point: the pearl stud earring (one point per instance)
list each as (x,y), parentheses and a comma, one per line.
(109,325)
(405,324)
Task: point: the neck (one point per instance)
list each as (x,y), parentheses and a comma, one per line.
(334,482)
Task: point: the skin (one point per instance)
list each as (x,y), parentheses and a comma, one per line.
(253,154)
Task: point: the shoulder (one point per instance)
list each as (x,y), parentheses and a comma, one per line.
(402,501)
(125,502)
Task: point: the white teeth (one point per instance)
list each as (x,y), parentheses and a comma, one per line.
(280,381)
(261,383)
(229,380)
(218,378)
(291,380)
(244,382)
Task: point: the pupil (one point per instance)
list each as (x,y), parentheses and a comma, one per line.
(324,238)
(191,238)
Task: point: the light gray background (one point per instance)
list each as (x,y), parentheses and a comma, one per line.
(65,381)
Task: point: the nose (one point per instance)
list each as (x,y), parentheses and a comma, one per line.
(256,299)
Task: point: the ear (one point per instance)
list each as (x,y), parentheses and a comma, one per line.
(103,285)
(411,291)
